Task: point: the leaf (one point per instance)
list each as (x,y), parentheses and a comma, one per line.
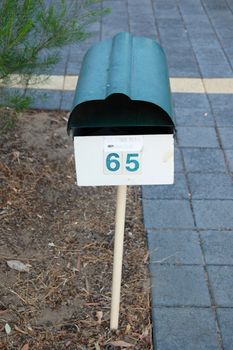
(16,155)
(145,332)
(25,347)
(7,328)
(68,343)
(97,347)
(121,343)
(19,330)
(3,312)
(127,328)
(78,263)
(18,265)
(99,316)
(146,257)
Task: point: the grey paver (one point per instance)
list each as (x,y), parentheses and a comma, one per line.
(226,135)
(67,100)
(221,281)
(221,101)
(225,317)
(191,8)
(166,9)
(173,46)
(177,191)
(117,21)
(197,137)
(217,16)
(213,214)
(167,214)
(214,69)
(181,64)
(213,62)
(185,71)
(203,28)
(229,155)
(193,117)
(113,25)
(141,11)
(174,42)
(212,6)
(229,50)
(226,43)
(109,33)
(199,39)
(138,7)
(175,28)
(217,247)
(217,21)
(143,27)
(78,50)
(58,69)
(204,160)
(185,329)
(224,32)
(73,68)
(211,186)
(230,4)
(40,98)
(178,285)
(45,99)
(174,247)
(191,101)
(223,115)
(178,161)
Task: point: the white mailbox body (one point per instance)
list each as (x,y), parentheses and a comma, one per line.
(124,160)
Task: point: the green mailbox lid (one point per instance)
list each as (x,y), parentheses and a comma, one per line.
(123,83)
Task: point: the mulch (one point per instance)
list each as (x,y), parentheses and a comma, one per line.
(64,234)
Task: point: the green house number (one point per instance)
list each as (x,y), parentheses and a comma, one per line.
(131,162)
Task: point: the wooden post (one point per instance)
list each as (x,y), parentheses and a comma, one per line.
(118,255)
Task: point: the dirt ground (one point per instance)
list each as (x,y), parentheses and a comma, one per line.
(63,234)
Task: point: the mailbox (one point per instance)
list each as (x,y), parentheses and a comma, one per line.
(121,119)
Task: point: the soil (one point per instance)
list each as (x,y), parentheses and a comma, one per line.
(66,234)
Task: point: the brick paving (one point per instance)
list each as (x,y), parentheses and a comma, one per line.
(190,236)
(189,225)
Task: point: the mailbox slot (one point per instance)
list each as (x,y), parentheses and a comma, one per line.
(136,130)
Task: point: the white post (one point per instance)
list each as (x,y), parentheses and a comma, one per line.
(118,255)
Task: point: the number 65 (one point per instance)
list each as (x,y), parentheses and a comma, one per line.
(113,162)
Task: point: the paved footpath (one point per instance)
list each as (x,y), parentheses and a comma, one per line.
(190,224)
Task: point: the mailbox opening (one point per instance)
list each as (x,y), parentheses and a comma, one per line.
(119,115)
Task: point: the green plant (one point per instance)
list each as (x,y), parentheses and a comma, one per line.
(8,117)
(31,31)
